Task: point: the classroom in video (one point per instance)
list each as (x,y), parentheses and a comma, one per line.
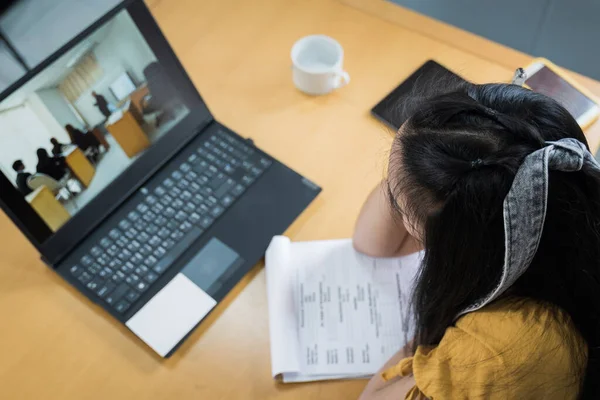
(74,127)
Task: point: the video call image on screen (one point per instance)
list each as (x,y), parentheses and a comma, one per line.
(74,127)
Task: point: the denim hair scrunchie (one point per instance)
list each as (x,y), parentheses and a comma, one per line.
(525,208)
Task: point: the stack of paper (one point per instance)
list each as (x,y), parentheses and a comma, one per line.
(333,312)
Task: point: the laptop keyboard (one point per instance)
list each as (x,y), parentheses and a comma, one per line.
(144,244)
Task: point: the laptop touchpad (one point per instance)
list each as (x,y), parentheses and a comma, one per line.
(212,266)
(183,302)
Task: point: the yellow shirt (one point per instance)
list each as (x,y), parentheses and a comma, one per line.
(503,351)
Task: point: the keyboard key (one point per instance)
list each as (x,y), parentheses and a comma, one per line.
(96,251)
(137,259)
(226,201)
(202,209)
(113,250)
(146,249)
(193,159)
(127,268)
(198,199)
(194,187)
(191,176)
(131,233)
(177,175)
(177,235)
(114,234)
(247,180)
(151,277)
(105,289)
(143,237)
(160,221)
(94,268)
(181,216)
(152,229)
(76,270)
(132,279)
(160,191)
(118,277)
(85,277)
(177,204)
(186,196)
(185,227)
(168,183)
(169,212)
(163,233)
(133,216)
(159,252)
(140,225)
(86,261)
(183,184)
(151,200)
(117,294)
(134,245)
(96,283)
(149,216)
(206,221)
(194,218)
(122,306)
(166,200)
(132,296)
(256,171)
(104,259)
(158,208)
(106,243)
(155,241)
(141,286)
(216,211)
(105,273)
(189,207)
(168,243)
(230,169)
(175,192)
(122,241)
(142,208)
(125,255)
(141,270)
(265,163)
(238,190)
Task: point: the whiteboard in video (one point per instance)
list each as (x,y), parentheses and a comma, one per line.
(122,87)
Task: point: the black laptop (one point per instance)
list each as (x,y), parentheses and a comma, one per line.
(143,202)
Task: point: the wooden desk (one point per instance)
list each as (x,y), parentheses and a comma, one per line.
(80,166)
(53,213)
(237,54)
(127,132)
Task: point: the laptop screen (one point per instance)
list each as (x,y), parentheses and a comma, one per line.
(79,123)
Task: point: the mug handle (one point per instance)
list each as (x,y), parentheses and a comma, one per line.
(342,79)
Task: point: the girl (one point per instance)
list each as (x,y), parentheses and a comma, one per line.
(496,183)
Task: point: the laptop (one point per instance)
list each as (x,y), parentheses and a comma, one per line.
(142,201)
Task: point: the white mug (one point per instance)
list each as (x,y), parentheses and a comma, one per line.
(317,65)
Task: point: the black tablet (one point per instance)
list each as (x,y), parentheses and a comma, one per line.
(390,110)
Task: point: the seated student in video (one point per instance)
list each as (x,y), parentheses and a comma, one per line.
(84,141)
(54,167)
(22,176)
(58,148)
(498,186)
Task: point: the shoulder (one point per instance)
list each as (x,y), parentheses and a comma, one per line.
(517,347)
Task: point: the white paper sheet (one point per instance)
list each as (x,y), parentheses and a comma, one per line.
(335,313)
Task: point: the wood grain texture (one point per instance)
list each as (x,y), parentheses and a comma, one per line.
(237,54)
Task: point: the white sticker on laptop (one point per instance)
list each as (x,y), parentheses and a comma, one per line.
(174,311)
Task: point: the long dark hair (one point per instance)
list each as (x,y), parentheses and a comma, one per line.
(459,208)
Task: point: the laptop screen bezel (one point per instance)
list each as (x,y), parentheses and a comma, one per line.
(54,246)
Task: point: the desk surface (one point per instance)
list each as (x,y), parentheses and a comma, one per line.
(56,345)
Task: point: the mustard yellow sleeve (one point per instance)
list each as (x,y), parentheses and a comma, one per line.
(493,356)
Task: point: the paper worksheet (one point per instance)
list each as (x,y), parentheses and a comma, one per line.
(333,312)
